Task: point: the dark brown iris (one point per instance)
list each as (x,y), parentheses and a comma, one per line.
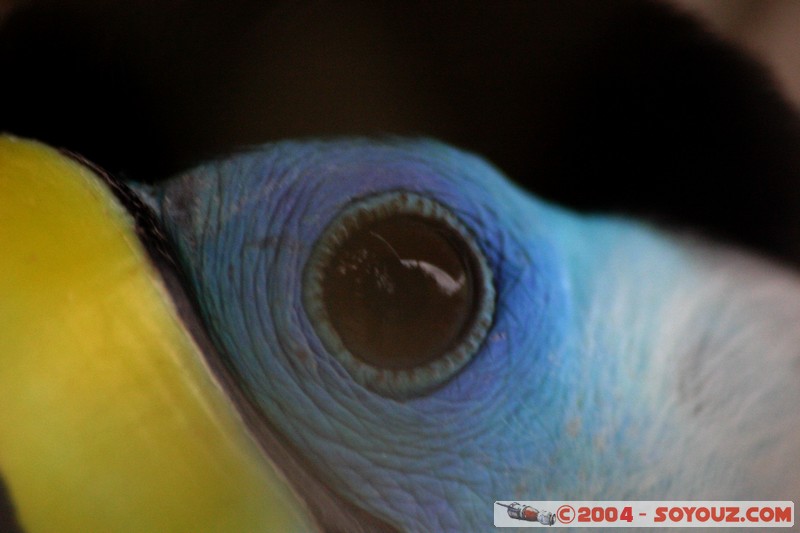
(400,291)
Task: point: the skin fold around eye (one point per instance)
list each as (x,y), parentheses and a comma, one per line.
(399,293)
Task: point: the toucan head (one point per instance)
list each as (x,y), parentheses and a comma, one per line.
(369,335)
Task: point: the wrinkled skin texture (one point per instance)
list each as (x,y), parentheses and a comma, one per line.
(623,362)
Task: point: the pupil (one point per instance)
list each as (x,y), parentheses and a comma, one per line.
(400,291)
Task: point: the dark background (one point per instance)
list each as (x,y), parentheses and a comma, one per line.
(624,106)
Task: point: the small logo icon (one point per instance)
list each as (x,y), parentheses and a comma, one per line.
(565,514)
(528,513)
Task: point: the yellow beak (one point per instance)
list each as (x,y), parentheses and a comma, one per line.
(109,418)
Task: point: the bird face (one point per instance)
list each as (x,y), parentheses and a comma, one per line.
(427,338)
(409,337)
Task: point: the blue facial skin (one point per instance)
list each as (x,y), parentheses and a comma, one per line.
(579,390)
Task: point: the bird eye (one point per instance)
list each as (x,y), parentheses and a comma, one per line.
(399,291)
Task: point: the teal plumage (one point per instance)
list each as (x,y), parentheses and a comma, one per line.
(601,376)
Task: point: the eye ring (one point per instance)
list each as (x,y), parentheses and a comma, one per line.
(387,267)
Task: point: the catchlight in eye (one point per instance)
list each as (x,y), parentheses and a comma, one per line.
(399,292)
